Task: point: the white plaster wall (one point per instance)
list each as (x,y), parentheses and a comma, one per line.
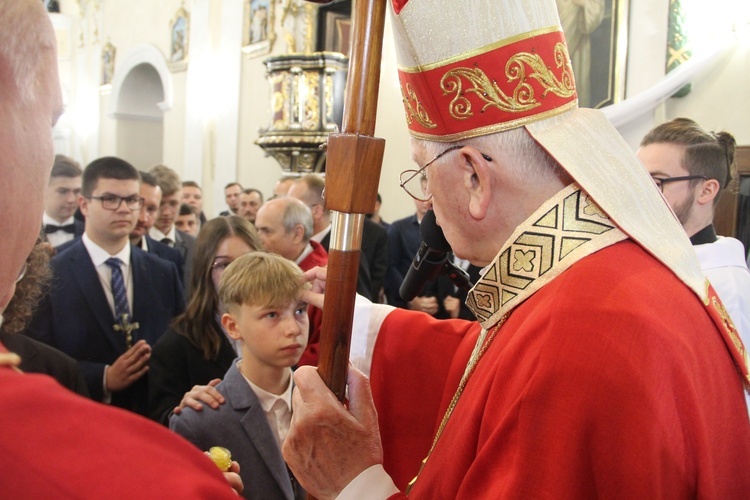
(214,148)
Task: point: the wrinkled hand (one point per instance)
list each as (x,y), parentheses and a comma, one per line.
(424,304)
(200,394)
(452,305)
(314,296)
(129,367)
(327,445)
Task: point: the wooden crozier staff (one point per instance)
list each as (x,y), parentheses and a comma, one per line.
(353,165)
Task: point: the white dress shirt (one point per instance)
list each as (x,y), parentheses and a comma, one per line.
(278,408)
(99,256)
(58,237)
(318,237)
(159,236)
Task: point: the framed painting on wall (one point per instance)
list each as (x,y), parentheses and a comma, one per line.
(108,64)
(597,35)
(258,34)
(334,26)
(178,48)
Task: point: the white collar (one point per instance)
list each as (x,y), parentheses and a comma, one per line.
(305,252)
(49,221)
(99,256)
(318,237)
(267,399)
(158,235)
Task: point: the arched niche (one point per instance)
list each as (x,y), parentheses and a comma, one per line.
(147,62)
(141,93)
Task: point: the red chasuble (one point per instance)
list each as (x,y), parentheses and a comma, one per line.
(56,444)
(598,385)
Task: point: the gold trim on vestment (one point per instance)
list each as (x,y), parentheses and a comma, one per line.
(497,127)
(565,229)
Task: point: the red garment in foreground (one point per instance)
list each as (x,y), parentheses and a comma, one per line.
(56,444)
(318,258)
(612,381)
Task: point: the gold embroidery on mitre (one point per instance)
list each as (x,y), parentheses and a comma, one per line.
(567,228)
(417,112)
(523,97)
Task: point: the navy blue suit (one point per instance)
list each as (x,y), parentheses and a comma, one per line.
(168,253)
(76,318)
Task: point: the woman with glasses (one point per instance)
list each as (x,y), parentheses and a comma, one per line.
(192,356)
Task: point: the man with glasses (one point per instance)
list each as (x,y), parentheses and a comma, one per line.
(109,301)
(692,167)
(600,366)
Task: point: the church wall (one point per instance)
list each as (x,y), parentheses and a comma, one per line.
(217,110)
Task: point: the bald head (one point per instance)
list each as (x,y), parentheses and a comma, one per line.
(30,104)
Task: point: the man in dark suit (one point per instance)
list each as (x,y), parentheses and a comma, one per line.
(61,202)
(404,239)
(109,301)
(164,229)
(151,194)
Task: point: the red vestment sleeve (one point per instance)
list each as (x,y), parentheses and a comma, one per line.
(416,365)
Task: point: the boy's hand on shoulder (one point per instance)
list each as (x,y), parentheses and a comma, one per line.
(200,395)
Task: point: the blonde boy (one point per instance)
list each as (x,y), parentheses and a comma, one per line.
(261,294)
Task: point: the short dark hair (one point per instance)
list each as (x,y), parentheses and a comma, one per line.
(191,184)
(186,209)
(148,179)
(65,166)
(234,183)
(108,167)
(253,190)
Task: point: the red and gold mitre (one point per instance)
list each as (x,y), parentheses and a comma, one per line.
(465,74)
(471,68)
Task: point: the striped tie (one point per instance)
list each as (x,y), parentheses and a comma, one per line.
(118,288)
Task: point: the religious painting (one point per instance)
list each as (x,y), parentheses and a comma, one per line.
(335,27)
(108,64)
(258,32)
(596,33)
(338,33)
(178,48)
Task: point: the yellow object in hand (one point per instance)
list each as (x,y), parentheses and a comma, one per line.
(221,457)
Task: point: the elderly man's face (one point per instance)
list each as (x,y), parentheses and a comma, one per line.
(273,235)
(29,108)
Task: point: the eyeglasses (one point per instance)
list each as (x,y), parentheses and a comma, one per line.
(415,181)
(661,181)
(113,202)
(220,265)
